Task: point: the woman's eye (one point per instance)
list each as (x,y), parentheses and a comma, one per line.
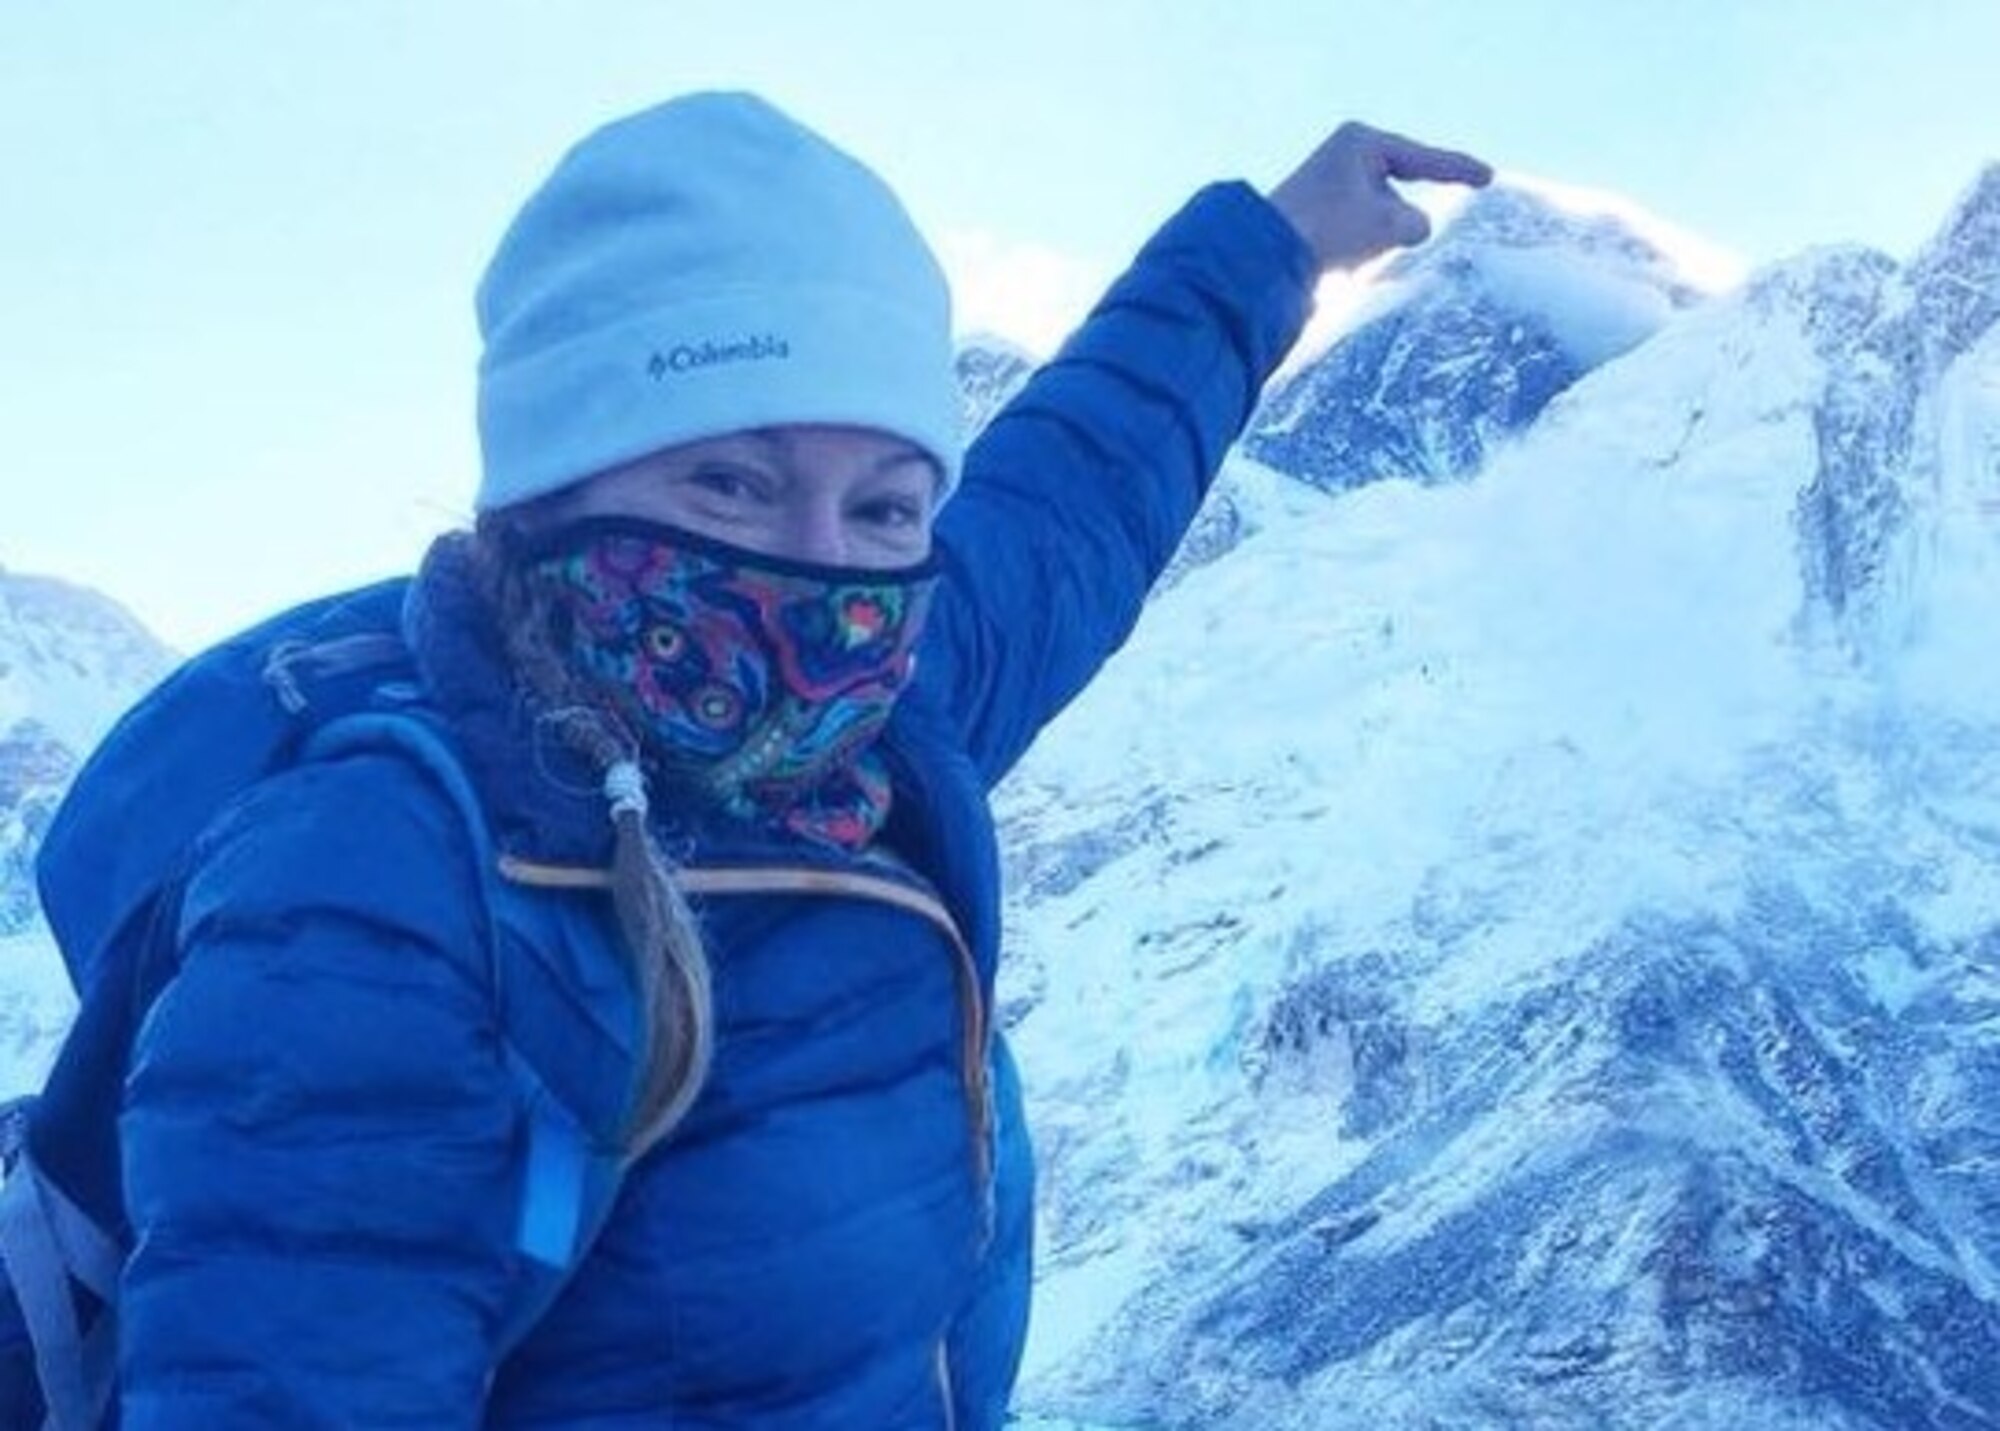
(892,512)
(723,482)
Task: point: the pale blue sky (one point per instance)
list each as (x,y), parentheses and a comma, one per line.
(239,237)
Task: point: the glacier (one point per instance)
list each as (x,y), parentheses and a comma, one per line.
(1527,952)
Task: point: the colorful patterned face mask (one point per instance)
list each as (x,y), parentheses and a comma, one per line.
(758,684)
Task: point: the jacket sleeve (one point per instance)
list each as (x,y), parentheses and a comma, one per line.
(1076,495)
(319,1130)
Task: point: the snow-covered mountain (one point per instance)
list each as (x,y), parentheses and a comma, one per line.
(1464,341)
(990,371)
(1527,952)
(1882,488)
(70,661)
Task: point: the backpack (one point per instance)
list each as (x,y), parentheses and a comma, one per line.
(329,678)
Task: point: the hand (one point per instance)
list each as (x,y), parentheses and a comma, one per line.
(1341,202)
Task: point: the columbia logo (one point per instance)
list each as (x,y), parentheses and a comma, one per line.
(687,357)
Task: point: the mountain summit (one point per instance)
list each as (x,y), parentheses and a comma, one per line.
(1464,341)
(70,662)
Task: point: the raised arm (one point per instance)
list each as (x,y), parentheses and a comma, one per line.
(1078,492)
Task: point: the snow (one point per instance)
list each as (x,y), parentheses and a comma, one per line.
(35,1008)
(69,659)
(1708,265)
(1602,273)
(70,662)
(1958,543)
(1449,752)
(1595,312)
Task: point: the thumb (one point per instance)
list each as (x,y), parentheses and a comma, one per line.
(1408,225)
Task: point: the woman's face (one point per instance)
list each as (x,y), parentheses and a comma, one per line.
(833,496)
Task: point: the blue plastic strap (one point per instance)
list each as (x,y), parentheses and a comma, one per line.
(35,1267)
(552,1199)
(90,1254)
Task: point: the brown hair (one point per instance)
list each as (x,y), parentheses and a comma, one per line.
(662,938)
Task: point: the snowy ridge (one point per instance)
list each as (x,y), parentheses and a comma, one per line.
(70,662)
(1519,953)
(36,1007)
(1463,342)
(70,659)
(1894,471)
(990,370)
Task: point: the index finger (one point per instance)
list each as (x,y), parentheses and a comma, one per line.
(1405,158)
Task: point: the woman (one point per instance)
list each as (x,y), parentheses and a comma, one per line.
(742,636)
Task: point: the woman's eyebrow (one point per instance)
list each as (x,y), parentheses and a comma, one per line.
(890,461)
(783,445)
(768,444)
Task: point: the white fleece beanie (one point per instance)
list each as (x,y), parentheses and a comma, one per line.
(703,267)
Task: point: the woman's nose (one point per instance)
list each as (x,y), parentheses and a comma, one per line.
(819,535)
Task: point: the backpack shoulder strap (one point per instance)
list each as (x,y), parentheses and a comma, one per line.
(565,1202)
(47,1243)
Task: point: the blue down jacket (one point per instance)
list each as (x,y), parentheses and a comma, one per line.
(320,1129)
